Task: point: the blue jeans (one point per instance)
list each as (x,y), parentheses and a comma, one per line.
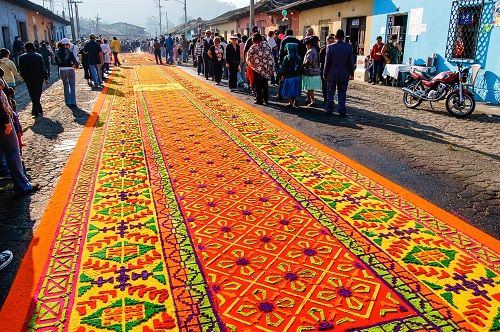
(95,75)
(170,55)
(10,156)
(68,80)
(243,71)
(376,72)
(185,55)
(341,87)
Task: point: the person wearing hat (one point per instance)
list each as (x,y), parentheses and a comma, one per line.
(67,63)
(233,61)
(377,61)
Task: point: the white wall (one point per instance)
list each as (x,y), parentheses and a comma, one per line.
(9,16)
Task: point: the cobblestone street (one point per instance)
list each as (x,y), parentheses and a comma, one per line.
(48,143)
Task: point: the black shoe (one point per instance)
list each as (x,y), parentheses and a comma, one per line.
(258,102)
(5,258)
(34,188)
(342,115)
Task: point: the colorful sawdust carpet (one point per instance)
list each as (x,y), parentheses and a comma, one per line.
(184,209)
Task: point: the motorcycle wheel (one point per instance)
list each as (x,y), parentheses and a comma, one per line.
(457,109)
(411,101)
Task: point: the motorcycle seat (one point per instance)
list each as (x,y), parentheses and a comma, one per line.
(425,76)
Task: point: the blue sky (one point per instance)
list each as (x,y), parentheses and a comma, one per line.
(140,12)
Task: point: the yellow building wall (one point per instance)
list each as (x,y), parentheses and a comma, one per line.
(349,9)
(225,29)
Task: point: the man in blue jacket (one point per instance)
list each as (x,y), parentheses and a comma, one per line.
(169,46)
(339,68)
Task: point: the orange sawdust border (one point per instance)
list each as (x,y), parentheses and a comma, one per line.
(406,194)
(15,309)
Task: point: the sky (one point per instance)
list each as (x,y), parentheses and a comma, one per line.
(140,12)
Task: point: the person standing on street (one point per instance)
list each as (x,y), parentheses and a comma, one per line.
(378,61)
(10,151)
(33,71)
(46,55)
(233,61)
(311,78)
(116,46)
(9,68)
(17,49)
(282,52)
(169,45)
(207,44)
(85,65)
(216,53)
(290,74)
(185,48)
(330,39)
(106,50)
(157,51)
(67,63)
(339,68)
(260,60)
(391,50)
(93,50)
(198,53)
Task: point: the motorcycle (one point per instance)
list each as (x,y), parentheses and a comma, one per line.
(449,85)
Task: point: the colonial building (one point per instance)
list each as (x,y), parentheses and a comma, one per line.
(446,33)
(327,16)
(194,28)
(29,21)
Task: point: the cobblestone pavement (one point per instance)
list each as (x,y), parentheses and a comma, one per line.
(453,163)
(48,143)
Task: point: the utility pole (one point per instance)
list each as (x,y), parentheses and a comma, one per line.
(166,19)
(252,13)
(97,19)
(71,20)
(185,20)
(158,3)
(77,18)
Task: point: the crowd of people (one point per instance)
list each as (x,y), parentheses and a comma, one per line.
(295,66)
(31,64)
(253,62)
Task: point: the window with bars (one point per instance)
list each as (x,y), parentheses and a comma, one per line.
(464,29)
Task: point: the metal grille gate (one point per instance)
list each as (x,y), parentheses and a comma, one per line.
(464,29)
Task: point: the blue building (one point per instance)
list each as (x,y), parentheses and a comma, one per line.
(451,31)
